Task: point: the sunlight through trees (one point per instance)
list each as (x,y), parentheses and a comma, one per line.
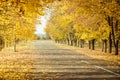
(17,20)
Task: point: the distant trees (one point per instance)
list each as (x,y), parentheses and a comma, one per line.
(77,21)
(42,37)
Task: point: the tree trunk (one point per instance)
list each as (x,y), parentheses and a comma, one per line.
(116,47)
(71,42)
(82,43)
(110,22)
(114,28)
(15,44)
(89,44)
(77,43)
(0,44)
(67,41)
(93,44)
(110,43)
(114,39)
(105,44)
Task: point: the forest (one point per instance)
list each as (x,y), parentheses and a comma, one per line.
(77,22)
(73,22)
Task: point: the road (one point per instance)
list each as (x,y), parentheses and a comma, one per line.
(56,62)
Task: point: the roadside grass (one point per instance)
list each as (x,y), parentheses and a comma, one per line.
(100,55)
(97,53)
(15,65)
(20,46)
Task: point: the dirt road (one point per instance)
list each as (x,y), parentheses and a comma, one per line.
(55,62)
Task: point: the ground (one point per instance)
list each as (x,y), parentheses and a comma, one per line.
(46,60)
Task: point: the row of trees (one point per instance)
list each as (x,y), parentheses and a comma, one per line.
(77,21)
(18,19)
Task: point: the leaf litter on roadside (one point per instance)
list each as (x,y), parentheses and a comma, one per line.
(15,66)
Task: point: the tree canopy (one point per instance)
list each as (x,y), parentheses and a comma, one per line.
(18,18)
(85,20)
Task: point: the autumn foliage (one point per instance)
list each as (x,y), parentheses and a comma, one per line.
(17,20)
(78,21)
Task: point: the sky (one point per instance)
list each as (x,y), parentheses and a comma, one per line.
(40,27)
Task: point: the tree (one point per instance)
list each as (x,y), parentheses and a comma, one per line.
(87,20)
(18,16)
